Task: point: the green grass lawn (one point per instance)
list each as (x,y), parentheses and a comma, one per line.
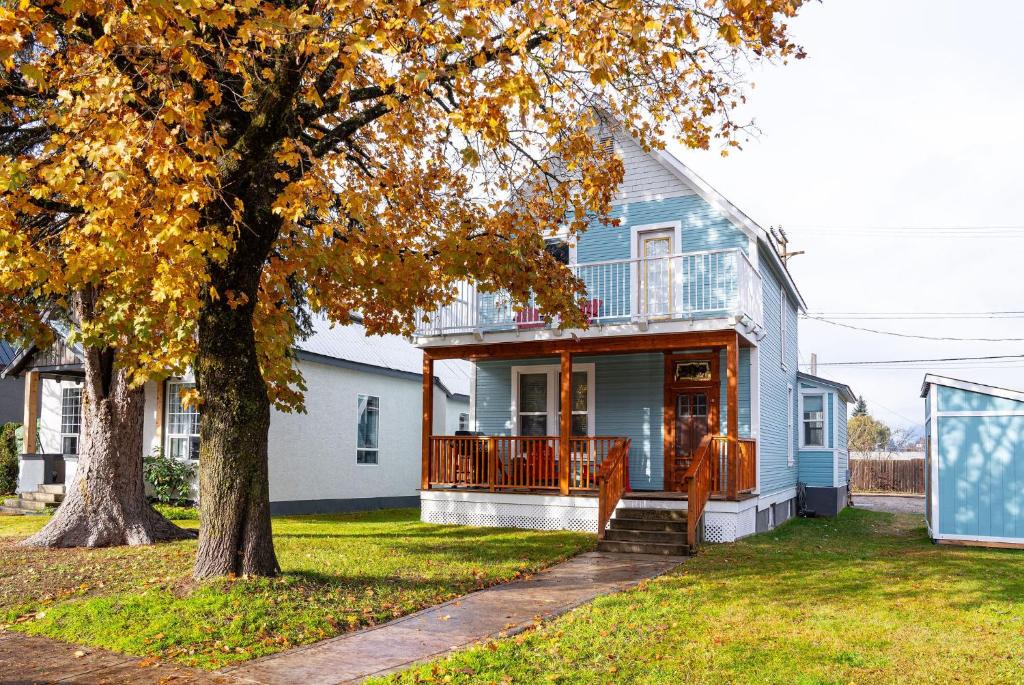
(340,572)
(865,598)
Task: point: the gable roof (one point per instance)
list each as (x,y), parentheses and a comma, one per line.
(690,179)
(970,386)
(351,344)
(7,353)
(844,390)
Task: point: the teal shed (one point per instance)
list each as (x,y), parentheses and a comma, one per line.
(974,462)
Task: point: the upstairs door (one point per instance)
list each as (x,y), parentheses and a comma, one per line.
(654,249)
(692,414)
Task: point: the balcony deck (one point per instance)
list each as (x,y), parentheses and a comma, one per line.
(685,286)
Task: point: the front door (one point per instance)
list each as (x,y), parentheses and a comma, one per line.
(691,425)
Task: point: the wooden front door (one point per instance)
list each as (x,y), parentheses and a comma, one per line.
(692,414)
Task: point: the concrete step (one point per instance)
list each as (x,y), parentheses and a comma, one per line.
(625,535)
(52,489)
(18,506)
(618,546)
(27,504)
(655,514)
(670,526)
(48,497)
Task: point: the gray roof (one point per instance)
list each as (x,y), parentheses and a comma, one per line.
(393,352)
(7,353)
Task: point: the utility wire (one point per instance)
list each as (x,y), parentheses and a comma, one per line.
(881,316)
(911,335)
(875,362)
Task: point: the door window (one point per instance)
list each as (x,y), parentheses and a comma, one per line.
(656,273)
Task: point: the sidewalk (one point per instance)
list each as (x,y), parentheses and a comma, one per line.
(497,611)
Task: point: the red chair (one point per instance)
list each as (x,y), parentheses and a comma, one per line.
(529,318)
(591,310)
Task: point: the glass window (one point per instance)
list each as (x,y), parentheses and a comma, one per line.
(533,404)
(463,422)
(367,447)
(70,419)
(814,421)
(182,423)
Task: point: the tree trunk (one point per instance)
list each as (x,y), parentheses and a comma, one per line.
(106,504)
(234,489)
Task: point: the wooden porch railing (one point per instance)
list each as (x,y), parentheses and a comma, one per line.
(699,481)
(745,466)
(509,462)
(612,480)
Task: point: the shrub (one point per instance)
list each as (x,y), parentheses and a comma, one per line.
(169,479)
(8,458)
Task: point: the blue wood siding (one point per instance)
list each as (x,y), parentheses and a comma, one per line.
(629,399)
(842,443)
(981,473)
(816,468)
(956,399)
(703,228)
(776,474)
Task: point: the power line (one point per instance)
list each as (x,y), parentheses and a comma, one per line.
(839,228)
(911,335)
(875,362)
(882,316)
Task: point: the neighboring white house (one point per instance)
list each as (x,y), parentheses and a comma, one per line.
(357,447)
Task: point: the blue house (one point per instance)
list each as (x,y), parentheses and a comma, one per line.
(974,462)
(823,455)
(677,415)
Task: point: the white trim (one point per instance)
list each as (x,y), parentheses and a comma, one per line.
(166,424)
(790,456)
(932,379)
(472,396)
(676,228)
(782,325)
(824,423)
(755,411)
(934,430)
(977,538)
(765,501)
(835,440)
(552,371)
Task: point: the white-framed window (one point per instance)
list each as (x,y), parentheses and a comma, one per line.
(789,426)
(463,421)
(783,309)
(367,429)
(70,418)
(182,435)
(812,420)
(536,400)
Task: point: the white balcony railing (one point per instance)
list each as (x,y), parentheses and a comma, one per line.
(680,286)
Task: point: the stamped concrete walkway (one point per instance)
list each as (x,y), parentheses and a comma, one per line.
(497,611)
(25,660)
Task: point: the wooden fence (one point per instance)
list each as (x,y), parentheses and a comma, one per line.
(887,475)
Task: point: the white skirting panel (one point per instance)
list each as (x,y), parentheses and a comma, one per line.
(501,510)
(723,521)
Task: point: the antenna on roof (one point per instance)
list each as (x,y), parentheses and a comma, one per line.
(782,244)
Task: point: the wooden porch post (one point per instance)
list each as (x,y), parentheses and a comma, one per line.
(732,357)
(565,427)
(31,415)
(428,418)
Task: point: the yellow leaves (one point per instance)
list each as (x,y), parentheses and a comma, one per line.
(730,33)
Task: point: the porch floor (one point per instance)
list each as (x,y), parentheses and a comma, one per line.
(635,494)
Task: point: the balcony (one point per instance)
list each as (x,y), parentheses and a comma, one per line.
(685,286)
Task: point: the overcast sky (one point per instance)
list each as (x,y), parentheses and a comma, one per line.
(905,113)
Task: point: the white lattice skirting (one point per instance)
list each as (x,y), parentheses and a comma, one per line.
(729,526)
(501,510)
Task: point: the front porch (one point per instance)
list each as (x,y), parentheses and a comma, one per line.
(651,417)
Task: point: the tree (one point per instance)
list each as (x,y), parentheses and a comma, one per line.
(861,408)
(307,159)
(867,434)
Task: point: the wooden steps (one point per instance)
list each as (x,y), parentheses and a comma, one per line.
(646,531)
(41,501)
